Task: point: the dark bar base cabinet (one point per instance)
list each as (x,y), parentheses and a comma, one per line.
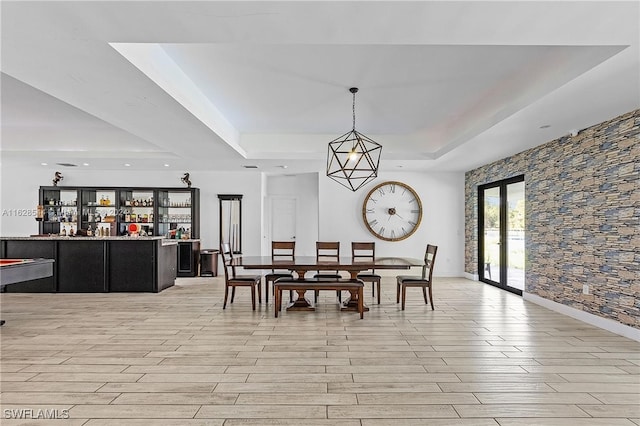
(188,258)
(96,264)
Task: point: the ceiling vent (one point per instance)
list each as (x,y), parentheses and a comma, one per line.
(67,165)
(250,167)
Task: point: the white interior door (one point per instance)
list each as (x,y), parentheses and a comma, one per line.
(283,219)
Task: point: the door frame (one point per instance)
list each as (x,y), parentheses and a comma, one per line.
(502,185)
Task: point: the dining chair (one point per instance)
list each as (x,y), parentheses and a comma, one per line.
(425,280)
(284,250)
(232,280)
(327,251)
(367,252)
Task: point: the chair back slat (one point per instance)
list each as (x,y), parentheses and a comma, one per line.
(429,262)
(328,250)
(364,251)
(283,249)
(227,260)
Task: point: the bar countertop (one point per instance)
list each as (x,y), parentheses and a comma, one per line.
(82,238)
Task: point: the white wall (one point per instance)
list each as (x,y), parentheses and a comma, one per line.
(442,196)
(327,211)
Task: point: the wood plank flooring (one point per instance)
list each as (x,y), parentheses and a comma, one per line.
(484,357)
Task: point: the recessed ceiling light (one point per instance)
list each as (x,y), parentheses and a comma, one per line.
(545,126)
(283,166)
(166,165)
(399,166)
(43,164)
(127,165)
(85,164)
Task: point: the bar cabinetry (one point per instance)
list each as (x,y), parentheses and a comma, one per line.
(119,211)
(60,210)
(188,258)
(137,207)
(98,211)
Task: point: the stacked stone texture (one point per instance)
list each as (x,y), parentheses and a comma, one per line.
(582,218)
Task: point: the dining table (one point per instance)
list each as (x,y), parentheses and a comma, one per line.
(301,265)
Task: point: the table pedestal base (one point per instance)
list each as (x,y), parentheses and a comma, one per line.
(301,303)
(351,304)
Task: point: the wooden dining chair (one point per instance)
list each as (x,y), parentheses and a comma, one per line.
(279,250)
(424,280)
(327,251)
(367,252)
(231,280)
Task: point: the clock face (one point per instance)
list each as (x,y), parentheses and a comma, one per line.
(392,211)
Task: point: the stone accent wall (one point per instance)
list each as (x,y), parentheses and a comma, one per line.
(582,222)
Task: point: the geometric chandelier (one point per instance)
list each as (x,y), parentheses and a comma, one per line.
(353,158)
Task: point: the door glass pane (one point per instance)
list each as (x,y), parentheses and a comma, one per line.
(492,234)
(515,235)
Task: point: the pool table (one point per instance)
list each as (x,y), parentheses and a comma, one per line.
(18,270)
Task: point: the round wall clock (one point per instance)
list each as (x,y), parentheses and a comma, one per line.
(392,211)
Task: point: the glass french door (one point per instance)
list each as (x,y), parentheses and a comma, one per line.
(501,251)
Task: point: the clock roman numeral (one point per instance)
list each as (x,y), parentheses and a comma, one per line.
(373,223)
(373,200)
(412,223)
(392,188)
(381,192)
(413,200)
(370,210)
(393,234)
(415,211)
(382,231)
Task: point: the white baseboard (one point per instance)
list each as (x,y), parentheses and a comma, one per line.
(472,277)
(604,323)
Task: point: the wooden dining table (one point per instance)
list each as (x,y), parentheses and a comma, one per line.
(301,265)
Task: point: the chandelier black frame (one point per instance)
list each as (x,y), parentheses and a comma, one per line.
(353,158)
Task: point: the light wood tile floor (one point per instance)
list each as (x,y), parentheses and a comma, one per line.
(484,357)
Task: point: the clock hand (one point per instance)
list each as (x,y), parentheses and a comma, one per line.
(393,212)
